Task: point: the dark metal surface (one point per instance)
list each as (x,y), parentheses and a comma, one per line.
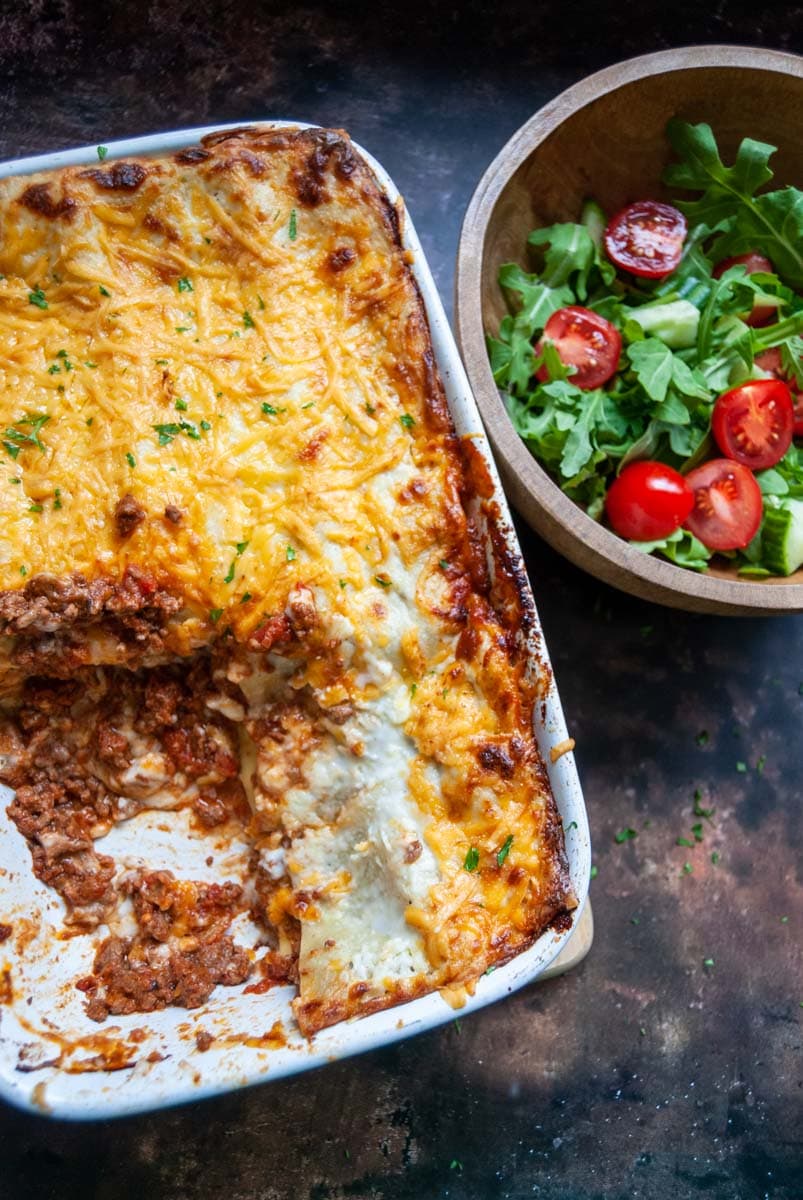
(645,1073)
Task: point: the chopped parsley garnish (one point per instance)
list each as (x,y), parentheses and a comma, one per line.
(103,290)
(248,320)
(171,430)
(167,432)
(369,408)
(383,581)
(715,857)
(293,226)
(697,830)
(35,508)
(246,596)
(261,304)
(504,850)
(182,328)
(89,421)
(205,426)
(102,152)
(311,404)
(184,284)
(35,421)
(182,405)
(472,859)
(269,410)
(37,297)
(55,369)
(215,614)
(571,825)
(413,688)
(11,449)
(687,868)
(290,554)
(684,841)
(698,809)
(343,583)
(624,835)
(407,421)
(702,738)
(132,462)
(594,872)
(241,547)
(92,366)
(708,962)
(443,564)
(160,362)
(229,576)
(57,498)
(23,571)
(15,479)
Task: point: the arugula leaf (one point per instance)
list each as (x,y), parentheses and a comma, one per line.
(771,223)
(571,252)
(538,299)
(651,360)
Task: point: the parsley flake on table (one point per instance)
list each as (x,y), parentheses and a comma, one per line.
(624,835)
(102,152)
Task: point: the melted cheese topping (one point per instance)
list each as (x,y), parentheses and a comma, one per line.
(237,336)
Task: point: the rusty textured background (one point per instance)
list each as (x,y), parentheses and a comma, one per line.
(643,1074)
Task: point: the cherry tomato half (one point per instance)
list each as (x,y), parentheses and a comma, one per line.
(585,341)
(646,238)
(755,264)
(727,504)
(753,423)
(771,360)
(648,501)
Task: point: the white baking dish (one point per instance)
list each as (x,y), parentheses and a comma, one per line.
(53,1059)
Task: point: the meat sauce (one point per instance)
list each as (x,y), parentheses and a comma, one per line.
(85,753)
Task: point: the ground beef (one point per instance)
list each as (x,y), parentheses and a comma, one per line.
(72,756)
(128,514)
(180,953)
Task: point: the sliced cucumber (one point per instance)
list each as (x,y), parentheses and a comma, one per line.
(674,323)
(782,538)
(594,220)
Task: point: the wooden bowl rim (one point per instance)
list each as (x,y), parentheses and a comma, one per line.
(708,591)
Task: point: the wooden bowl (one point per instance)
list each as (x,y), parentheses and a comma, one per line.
(605,138)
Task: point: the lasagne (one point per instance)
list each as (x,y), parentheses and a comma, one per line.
(247,568)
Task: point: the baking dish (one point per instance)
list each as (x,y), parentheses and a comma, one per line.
(53,1059)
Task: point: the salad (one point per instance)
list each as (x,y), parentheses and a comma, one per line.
(653,362)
